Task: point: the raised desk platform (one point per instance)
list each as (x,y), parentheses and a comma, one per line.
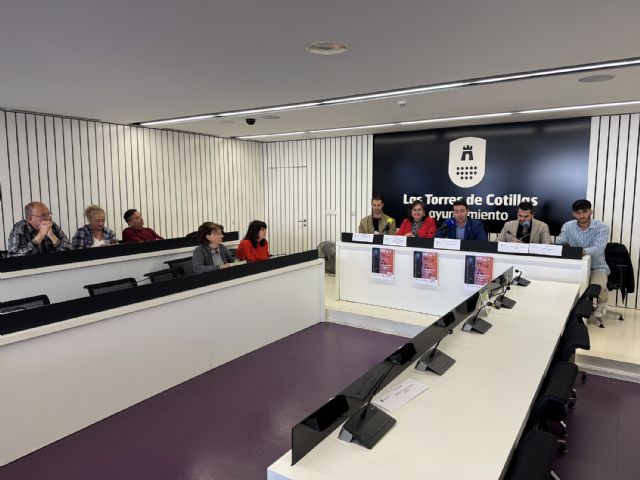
(354,282)
(466,425)
(65,375)
(61,276)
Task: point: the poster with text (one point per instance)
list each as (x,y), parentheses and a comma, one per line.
(478,271)
(425,268)
(382,263)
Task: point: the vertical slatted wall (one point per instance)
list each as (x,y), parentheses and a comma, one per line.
(326,182)
(177,180)
(613,184)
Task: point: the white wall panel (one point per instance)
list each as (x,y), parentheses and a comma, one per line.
(613,177)
(326,182)
(177,180)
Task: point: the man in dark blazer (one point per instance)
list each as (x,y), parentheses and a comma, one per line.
(461,226)
(525,229)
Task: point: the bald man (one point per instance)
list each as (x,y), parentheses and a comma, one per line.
(36,233)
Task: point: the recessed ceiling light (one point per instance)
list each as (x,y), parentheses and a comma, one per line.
(596,78)
(327,47)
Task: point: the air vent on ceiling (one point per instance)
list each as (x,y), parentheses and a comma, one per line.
(327,47)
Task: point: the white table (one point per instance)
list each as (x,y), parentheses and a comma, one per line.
(355,284)
(59,378)
(468,423)
(66,281)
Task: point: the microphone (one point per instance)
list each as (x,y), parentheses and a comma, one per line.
(434,360)
(477,324)
(387,225)
(515,236)
(523,282)
(447,224)
(367,426)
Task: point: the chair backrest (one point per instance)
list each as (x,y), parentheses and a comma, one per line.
(184,263)
(553,402)
(533,457)
(327,250)
(576,335)
(164,275)
(3,253)
(23,303)
(112,286)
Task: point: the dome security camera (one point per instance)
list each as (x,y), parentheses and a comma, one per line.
(250,121)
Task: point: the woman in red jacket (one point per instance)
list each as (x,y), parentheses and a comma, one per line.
(254,247)
(417,224)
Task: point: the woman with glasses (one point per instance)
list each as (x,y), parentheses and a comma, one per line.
(417,224)
(94,233)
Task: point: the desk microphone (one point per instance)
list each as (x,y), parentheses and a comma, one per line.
(434,360)
(523,282)
(448,223)
(477,324)
(514,236)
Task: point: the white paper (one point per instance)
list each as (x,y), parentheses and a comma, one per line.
(362,237)
(432,282)
(545,249)
(446,243)
(400,395)
(397,240)
(513,247)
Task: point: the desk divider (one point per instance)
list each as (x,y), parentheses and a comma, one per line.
(320,424)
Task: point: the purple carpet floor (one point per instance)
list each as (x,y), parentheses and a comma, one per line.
(604,432)
(228,424)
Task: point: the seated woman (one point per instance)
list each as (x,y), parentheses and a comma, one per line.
(211,255)
(93,234)
(254,247)
(417,224)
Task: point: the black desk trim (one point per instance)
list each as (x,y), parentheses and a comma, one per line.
(58,312)
(14,264)
(305,437)
(478,246)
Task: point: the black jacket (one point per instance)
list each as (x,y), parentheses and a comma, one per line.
(621,277)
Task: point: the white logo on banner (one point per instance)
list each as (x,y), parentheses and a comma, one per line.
(467,161)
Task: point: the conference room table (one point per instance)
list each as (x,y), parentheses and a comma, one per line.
(467,423)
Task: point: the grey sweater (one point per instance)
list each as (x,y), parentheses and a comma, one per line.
(202,260)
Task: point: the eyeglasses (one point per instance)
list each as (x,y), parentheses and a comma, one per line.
(43,217)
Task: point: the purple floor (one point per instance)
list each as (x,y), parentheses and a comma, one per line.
(604,432)
(234,421)
(230,423)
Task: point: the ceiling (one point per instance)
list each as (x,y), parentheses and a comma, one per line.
(140,60)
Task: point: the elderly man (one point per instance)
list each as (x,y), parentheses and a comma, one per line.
(136,231)
(36,233)
(525,229)
(377,222)
(592,236)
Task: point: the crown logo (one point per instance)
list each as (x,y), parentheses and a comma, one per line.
(467,153)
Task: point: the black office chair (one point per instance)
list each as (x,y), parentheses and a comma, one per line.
(184,263)
(533,457)
(621,276)
(112,286)
(23,304)
(583,309)
(552,405)
(164,275)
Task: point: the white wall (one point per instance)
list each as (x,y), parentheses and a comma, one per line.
(177,180)
(612,184)
(326,182)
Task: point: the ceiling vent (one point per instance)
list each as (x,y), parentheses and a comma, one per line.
(327,47)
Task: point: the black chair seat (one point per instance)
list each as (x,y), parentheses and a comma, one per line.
(184,263)
(112,286)
(23,303)
(533,457)
(164,275)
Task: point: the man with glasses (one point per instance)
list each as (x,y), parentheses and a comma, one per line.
(36,233)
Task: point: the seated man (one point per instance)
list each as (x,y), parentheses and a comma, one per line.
(592,235)
(36,233)
(377,222)
(525,229)
(462,227)
(136,231)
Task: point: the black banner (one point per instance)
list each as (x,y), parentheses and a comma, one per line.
(492,167)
